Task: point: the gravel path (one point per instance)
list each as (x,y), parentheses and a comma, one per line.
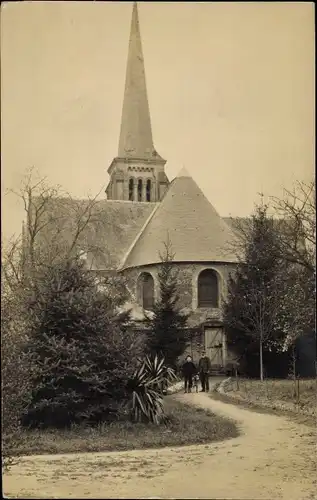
(273,458)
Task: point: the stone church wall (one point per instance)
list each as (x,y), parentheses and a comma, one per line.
(188,297)
(187,280)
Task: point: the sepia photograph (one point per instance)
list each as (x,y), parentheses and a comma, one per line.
(158,250)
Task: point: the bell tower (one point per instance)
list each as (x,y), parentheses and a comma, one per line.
(137,173)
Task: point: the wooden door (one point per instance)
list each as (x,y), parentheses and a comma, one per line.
(213,345)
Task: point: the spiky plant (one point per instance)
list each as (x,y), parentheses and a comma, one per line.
(160,374)
(146,387)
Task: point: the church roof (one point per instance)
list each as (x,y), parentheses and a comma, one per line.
(118,230)
(188,220)
(110,230)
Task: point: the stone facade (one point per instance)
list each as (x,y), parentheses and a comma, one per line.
(202,321)
(187,274)
(123,170)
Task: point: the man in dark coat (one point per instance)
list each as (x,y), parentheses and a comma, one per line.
(204,368)
(189,370)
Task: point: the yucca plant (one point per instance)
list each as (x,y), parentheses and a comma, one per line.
(160,374)
(146,387)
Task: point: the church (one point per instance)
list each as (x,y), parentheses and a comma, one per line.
(143,209)
(161,210)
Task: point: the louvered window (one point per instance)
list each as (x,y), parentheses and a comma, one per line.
(140,185)
(131,189)
(148,190)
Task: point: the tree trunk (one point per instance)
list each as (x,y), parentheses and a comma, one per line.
(294,371)
(261,360)
(236,376)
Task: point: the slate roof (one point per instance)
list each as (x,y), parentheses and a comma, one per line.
(123,234)
(192,225)
(112,228)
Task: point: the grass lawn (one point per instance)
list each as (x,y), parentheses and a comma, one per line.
(276,394)
(188,425)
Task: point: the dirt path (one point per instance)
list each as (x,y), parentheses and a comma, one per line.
(273,458)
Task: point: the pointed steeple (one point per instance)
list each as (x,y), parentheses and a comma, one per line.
(136,131)
(137,174)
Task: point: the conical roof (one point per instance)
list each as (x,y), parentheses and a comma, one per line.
(136,131)
(187,219)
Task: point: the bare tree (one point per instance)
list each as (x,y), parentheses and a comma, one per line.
(297,241)
(294,222)
(297,228)
(56,226)
(253,310)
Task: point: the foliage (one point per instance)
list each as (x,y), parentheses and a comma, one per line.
(146,387)
(15,369)
(296,316)
(68,315)
(83,355)
(297,242)
(166,334)
(253,302)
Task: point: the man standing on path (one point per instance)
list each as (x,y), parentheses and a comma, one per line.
(204,368)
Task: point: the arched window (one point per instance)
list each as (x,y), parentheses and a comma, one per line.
(146,291)
(208,289)
(148,190)
(140,190)
(131,189)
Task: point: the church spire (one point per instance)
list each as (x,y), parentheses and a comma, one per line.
(136,131)
(137,173)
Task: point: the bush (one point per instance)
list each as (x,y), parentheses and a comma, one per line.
(83,355)
(15,369)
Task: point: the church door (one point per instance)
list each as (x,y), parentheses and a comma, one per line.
(214,338)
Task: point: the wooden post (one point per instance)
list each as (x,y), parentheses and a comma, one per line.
(236,376)
(191,343)
(261,360)
(294,372)
(224,350)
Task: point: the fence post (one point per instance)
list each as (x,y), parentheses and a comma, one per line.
(236,375)
(266,388)
(298,395)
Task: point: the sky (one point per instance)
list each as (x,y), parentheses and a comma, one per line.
(230,87)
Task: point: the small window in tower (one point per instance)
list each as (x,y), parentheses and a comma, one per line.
(131,189)
(148,190)
(140,190)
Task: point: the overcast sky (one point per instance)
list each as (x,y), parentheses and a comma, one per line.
(230,86)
